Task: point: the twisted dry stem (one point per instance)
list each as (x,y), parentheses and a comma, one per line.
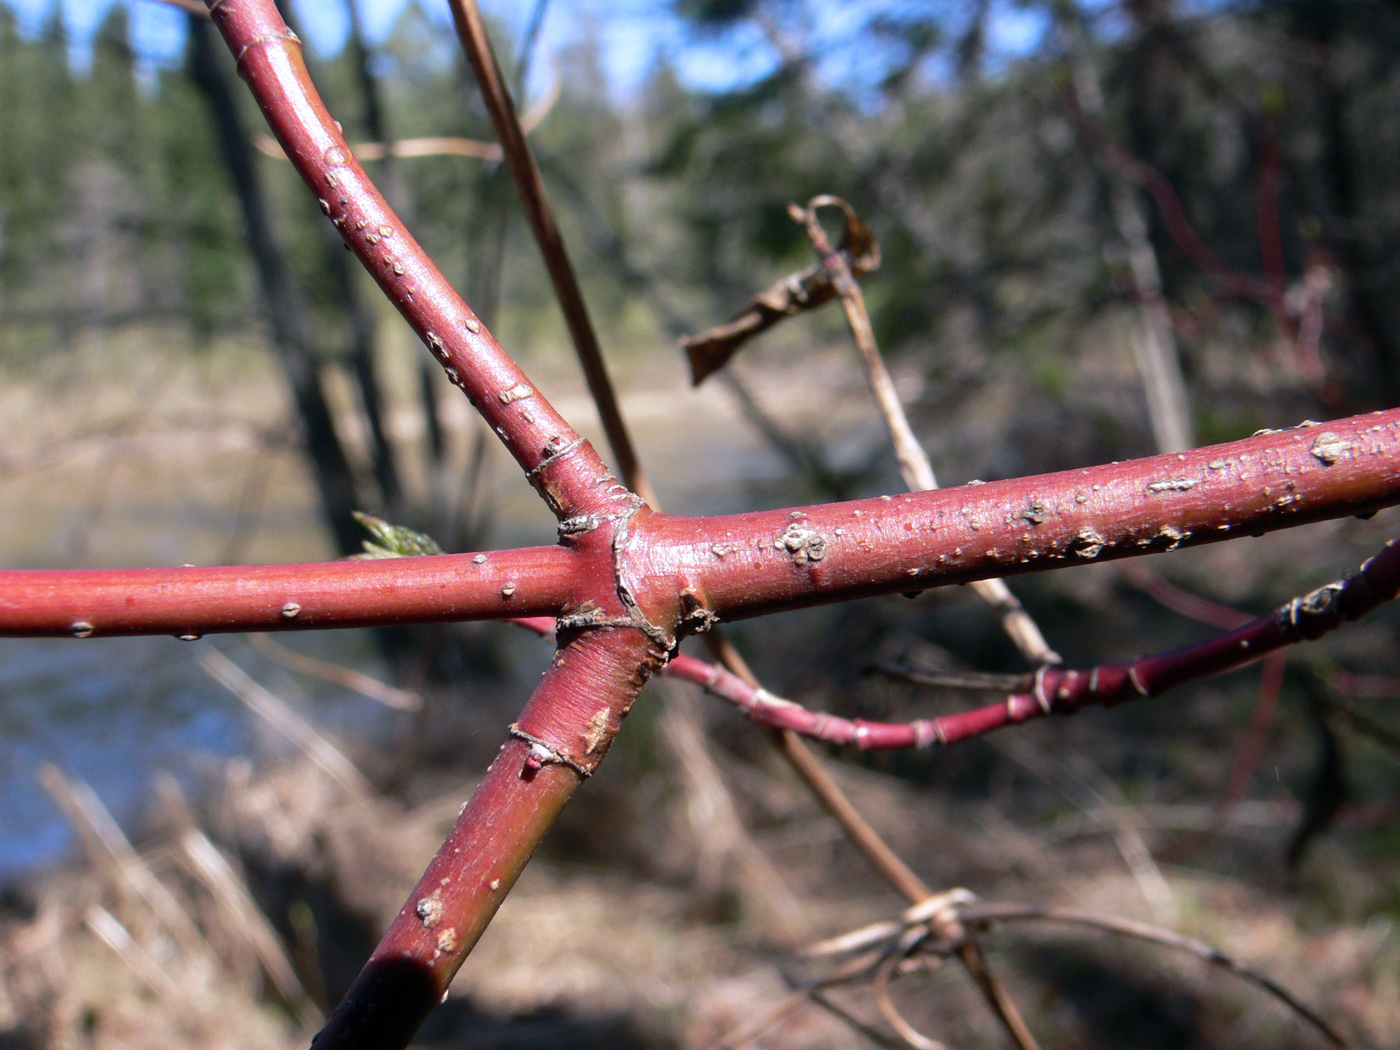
(939,925)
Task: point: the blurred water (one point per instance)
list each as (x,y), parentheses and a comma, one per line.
(113,712)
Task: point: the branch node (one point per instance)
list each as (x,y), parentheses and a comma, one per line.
(281,34)
(542,753)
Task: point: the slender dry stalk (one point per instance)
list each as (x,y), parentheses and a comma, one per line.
(471,30)
(194,7)
(111,852)
(1156,935)
(525,172)
(914,463)
(907,1032)
(852,970)
(212,870)
(286,722)
(357,681)
(109,930)
(855,1023)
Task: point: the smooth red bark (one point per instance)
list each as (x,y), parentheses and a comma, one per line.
(189,600)
(742,565)
(558,462)
(757,563)
(559,739)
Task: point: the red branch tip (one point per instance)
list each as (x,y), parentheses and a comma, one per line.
(1061,691)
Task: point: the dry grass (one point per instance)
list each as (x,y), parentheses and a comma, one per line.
(595,950)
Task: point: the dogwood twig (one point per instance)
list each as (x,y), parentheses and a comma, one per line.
(1056,690)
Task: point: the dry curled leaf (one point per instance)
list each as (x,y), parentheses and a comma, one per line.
(813,287)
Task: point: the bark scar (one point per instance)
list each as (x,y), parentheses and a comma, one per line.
(542,752)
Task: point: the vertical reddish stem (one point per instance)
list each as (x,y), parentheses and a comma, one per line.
(561,736)
(268,55)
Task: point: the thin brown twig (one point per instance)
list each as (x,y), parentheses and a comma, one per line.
(1155,935)
(433,145)
(849,971)
(936,910)
(194,7)
(471,30)
(907,1032)
(967,681)
(365,685)
(790,745)
(875,850)
(710,350)
(523,169)
(842,1014)
(970,952)
(914,463)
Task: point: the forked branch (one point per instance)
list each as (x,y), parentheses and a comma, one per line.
(1063,691)
(627,582)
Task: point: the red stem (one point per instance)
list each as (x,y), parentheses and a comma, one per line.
(750,564)
(194,601)
(558,462)
(593,680)
(743,565)
(1058,690)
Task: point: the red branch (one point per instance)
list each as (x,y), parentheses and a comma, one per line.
(743,565)
(1059,691)
(194,601)
(626,582)
(558,462)
(594,678)
(751,564)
